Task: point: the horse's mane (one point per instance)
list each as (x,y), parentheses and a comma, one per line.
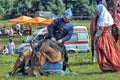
(52,44)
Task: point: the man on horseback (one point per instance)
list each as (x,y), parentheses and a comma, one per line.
(61,30)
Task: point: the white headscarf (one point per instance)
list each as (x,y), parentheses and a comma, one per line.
(105,19)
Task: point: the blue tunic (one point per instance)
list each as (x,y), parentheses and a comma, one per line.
(59,29)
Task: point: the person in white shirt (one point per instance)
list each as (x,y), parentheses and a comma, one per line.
(18,28)
(11,32)
(5,50)
(11,46)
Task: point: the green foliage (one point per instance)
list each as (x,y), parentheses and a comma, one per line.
(60,7)
(55,6)
(2,12)
(14,8)
(81,7)
(21,7)
(5,8)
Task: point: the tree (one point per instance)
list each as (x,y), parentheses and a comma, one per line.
(5,8)
(21,7)
(55,6)
(60,7)
(15,8)
(81,7)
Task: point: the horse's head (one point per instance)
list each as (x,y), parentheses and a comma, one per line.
(36,60)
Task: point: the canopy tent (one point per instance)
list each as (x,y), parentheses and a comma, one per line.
(20,19)
(47,21)
(35,20)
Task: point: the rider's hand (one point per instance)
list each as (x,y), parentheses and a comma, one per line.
(59,41)
(53,39)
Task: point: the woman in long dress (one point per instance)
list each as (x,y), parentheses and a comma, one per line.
(107,51)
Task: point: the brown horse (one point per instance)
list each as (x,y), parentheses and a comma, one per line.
(31,61)
(48,51)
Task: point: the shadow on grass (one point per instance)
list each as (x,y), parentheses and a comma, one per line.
(82,63)
(91,73)
(95,73)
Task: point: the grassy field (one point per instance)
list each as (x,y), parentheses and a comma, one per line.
(79,63)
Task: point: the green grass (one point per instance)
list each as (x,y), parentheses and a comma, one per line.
(79,63)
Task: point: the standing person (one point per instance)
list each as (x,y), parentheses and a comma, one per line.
(107,51)
(61,30)
(30,29)
(93,28)
(11,32)
(18,28)
(11,46)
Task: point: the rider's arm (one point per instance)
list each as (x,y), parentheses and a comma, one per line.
(51,27)
(69,34)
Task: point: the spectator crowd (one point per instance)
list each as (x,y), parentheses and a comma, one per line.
(15,29)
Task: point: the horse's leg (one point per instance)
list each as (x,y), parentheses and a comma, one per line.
(27,64)
(92,48)
(47,57)
(27,59)
(17,64)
